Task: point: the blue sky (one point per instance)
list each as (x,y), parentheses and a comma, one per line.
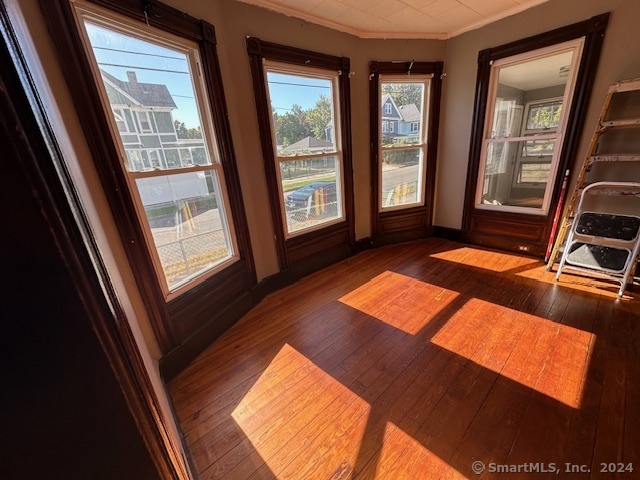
(287,90)
(117,53)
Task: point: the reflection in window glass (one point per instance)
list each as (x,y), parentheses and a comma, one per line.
(303,122)
(311,192)
(153,94)
(156,111)
(401,174)
(186,222)
(403,148)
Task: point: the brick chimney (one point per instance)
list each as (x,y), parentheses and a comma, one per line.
(132,77)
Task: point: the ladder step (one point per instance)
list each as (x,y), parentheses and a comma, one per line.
(615,157)
(621,123)
(625,86)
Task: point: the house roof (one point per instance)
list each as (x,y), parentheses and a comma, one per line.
(410,113)
(386,97)
(308,143)
(147,94)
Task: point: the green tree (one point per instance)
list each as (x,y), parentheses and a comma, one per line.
(183,132)
(404,93)
(319,117)
(292,126)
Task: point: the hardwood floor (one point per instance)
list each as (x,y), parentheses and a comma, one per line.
(414,361)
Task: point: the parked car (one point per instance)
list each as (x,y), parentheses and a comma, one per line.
(313,200)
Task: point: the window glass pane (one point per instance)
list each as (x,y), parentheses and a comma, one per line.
(538,148)
(510,180)
(401,173)
(402,105)
(533,172)
(311,190)
(303,116)
(151,89)
(544,116)
(526,83)
(187,221)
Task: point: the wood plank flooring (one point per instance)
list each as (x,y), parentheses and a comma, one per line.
(415,361)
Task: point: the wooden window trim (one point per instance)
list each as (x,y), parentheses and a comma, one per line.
(415,222)
(537,226)
(40,158)
(313,250)
(179,320)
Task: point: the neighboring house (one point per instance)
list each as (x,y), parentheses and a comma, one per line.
(143,114)
(309,145)
(400,122)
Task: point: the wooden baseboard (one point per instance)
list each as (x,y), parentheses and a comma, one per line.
(453,234)
(176,360)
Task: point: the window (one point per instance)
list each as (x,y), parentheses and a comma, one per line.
(533,165)
(143,121)
(517,158)
(403,155)
(182,205)
(309,164)
(522,142)
(303,105)
(387,109)
(403,182)
(385,126)
(120,120)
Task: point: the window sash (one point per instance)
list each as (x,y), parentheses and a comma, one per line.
(112,21)
(421,145)
(557,134)
(309,72)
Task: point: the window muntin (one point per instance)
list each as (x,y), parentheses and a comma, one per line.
(144,121)
(529,96)
(403,150)
(306,135)
(180,196)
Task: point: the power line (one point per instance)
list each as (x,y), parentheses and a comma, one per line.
(297,84)
(142,68)
(138,53)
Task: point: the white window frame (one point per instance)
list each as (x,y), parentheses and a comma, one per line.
(385,126)
(310,72)
(415,127)
(422,139)
(105,18)
(139,113)
(391,127)
(577,47)
(388,108)
(521,159)
(119,112)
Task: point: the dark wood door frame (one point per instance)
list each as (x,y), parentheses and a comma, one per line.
(30,137)
(515,231)
(415,222)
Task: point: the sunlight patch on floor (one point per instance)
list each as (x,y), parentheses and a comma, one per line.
(469,256)
(399,300)
(296,415)
(402,456)
(540,354)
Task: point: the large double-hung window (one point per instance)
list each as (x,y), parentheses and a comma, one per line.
(153,92)
(307,145)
